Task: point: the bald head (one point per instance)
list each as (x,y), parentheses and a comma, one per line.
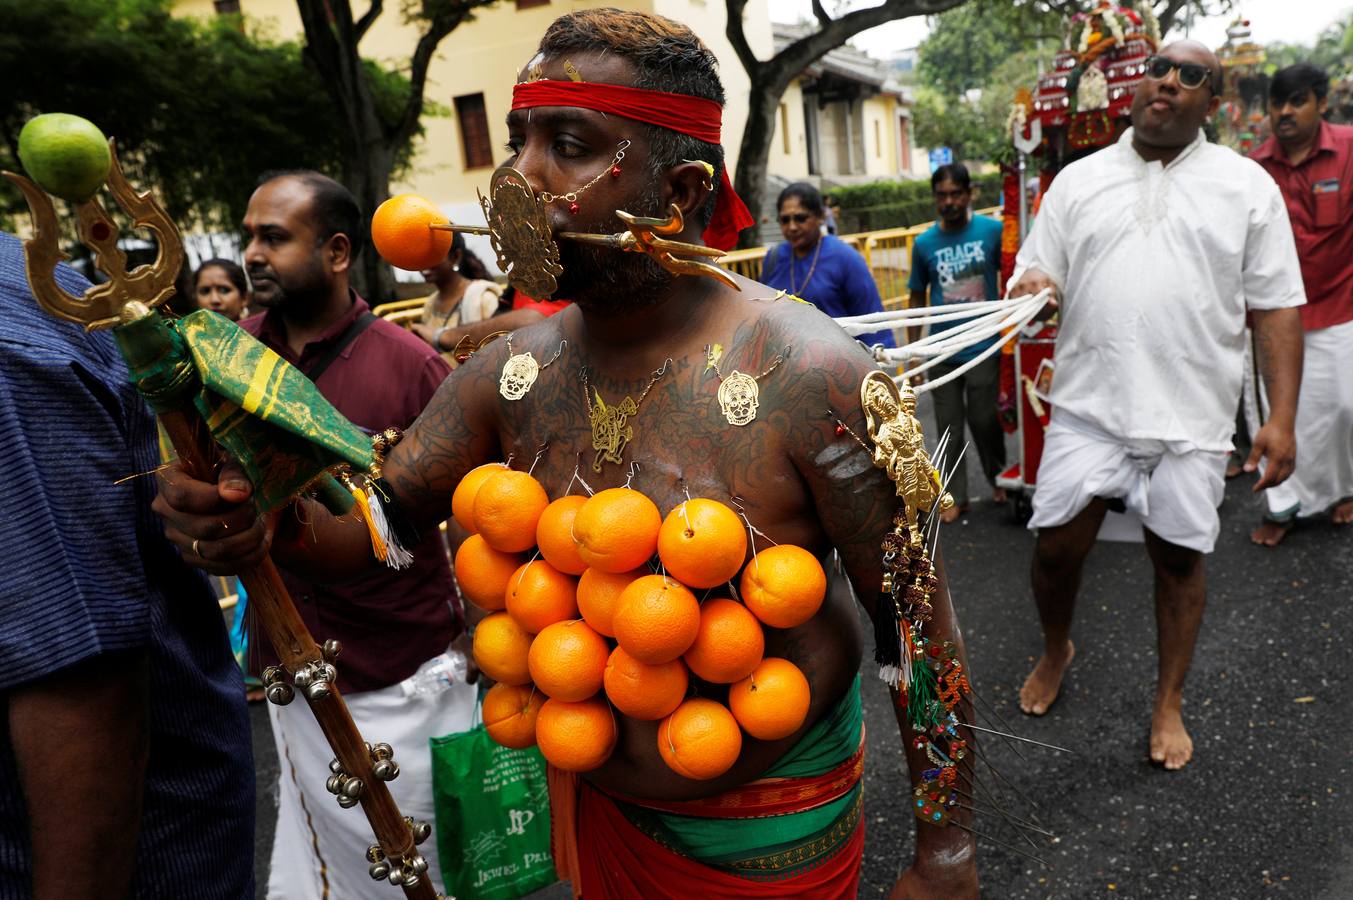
(1189,50)
(1166,114)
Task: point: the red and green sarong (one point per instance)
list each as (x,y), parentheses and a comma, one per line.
(796,831)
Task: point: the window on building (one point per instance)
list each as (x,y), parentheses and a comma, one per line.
(225,7)
(784,127)
(904,138)
(476,147)
(878,141)
(531,4)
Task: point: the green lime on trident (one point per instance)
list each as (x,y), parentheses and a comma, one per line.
(66,155)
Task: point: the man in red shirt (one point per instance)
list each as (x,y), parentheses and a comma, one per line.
(304,231)
(1312,162)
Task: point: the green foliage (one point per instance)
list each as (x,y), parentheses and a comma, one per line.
(1332,50)
(199,109)
(897,204)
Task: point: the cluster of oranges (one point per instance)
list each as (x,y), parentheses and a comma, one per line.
(584,629)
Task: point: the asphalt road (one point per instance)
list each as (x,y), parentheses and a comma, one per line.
(1263,809)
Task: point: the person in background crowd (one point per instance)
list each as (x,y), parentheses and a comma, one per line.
(958,260)
(304,231)
(220,286)
(1157,247)
(465,294)
(821,269)
(1312,161)
(126,768)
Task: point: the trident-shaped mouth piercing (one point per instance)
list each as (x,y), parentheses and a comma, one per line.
(100,306)
(519,230)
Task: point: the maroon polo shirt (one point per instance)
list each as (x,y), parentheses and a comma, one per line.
(389,622)
(1319,195)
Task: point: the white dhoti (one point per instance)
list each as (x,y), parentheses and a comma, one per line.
(1172,487)
(320,845)
(1324,427)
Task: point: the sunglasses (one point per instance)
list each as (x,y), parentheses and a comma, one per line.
(1191,75)
(796,218)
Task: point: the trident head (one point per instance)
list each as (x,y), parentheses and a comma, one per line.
(101,305)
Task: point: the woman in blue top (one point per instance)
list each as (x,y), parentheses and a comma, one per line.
(820,268)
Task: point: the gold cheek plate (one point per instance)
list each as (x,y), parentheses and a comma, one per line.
(519,229)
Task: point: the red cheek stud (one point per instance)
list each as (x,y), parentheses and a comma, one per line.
(840,430)
(615,171)
(573,209)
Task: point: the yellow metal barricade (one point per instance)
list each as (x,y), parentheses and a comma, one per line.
(886,252)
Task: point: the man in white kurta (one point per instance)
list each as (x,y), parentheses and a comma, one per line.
(1157,247)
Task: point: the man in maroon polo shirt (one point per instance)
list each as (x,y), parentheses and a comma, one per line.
(1312,162)
(304,231)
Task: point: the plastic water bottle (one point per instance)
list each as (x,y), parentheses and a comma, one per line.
(436,675)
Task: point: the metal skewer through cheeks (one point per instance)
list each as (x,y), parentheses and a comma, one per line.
(520,233)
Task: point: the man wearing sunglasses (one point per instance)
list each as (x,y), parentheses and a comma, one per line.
(1312,161)
(1157,247)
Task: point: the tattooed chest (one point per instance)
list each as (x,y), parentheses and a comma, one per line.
(672,445)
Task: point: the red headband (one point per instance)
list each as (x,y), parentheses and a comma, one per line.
(693,116)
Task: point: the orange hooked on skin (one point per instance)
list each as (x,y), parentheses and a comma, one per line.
(462,500)
(554,535)
(599,594)
(507,508)
(483,572)
(509,713)
(502,649)
(772,702)
(401,232)
(641,691)
(729,645)
(576,737)
(538,595)
(702,543)
(616,530)
(567,660)
(656,619)
(784,586)
(700,740)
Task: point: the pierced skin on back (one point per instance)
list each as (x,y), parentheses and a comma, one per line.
(798,481)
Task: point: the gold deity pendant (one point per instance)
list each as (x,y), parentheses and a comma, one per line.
(519,375)
(739,397)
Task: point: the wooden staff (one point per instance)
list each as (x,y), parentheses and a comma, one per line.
(359,769)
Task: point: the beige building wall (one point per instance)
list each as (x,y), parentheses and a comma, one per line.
(789,148)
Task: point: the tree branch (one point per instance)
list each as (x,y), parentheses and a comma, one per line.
(373,12)
(821,13)
(737,36)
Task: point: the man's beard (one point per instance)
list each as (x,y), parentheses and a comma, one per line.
(297,294)
(606,281)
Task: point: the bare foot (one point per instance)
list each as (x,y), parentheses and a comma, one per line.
(999,496)
(1269,534)
(1045,682)
(1342,514)
(937,882)
(952,514)
(1171,745)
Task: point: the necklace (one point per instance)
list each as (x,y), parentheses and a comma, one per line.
(521,370)
(739,394)
(611,430)
(797,290)
(571,198)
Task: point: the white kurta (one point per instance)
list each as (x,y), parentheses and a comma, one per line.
(1156,266)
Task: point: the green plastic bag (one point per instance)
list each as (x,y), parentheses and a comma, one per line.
(493,817)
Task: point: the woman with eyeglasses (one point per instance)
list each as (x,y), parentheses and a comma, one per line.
(818,267)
